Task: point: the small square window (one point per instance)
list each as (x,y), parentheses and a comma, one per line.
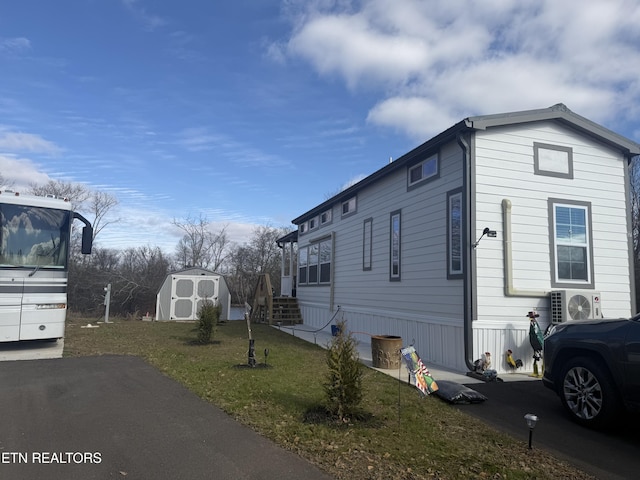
(325,217)
(423,171)
(313,223)
(349,206)
(552,160)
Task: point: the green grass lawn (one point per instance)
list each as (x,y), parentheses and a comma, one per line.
(402,435)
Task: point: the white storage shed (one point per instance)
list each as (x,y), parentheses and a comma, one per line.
(183,292)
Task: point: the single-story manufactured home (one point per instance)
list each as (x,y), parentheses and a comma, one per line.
(183,292)
(452,244)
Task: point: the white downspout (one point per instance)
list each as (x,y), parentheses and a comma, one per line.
(509,289)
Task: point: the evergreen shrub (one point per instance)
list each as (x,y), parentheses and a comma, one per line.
(343,386)
(208,317)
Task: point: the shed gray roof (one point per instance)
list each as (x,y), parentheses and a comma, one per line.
(558,112)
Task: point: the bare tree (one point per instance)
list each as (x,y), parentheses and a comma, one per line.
(140,274)
(135,275)
(100,205)
(77,193)
(200,246)
(191,250)
(219,248)
(260,255)
(95,205)
(4,183)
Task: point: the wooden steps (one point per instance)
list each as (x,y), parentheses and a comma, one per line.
(286,311)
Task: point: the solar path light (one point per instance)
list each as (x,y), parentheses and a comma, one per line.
(531,420)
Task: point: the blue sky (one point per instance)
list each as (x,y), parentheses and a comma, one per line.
(252,112)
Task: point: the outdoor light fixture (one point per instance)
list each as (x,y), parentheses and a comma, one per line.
(488,232)
(531,420)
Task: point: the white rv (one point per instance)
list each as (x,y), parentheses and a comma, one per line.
(35,237)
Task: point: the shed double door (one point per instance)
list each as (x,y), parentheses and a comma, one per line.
(188,293)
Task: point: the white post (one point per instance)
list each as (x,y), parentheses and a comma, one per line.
(107,301)
(291,273)
(283,276)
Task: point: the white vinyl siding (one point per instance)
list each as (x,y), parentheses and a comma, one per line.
(504,169)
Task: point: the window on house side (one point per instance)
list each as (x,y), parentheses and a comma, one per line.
(349,206)
(302,265)
(454,233)
(422,171)
(367,244)
(552,160)
(572,248)
(394,267)
(325,217)
(325,261)
(313,264)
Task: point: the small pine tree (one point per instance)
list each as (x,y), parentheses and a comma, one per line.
(208,317)
(343,387)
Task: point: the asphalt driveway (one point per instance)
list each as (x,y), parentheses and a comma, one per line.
(117,417)
(611,455)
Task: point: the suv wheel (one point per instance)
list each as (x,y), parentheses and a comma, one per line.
(587,392)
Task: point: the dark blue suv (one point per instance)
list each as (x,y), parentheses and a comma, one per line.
(594,367)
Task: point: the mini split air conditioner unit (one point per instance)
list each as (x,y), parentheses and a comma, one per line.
(568,305)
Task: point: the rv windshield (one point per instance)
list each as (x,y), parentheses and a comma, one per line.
(34,236)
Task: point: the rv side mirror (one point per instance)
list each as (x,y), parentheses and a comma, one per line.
(87,239)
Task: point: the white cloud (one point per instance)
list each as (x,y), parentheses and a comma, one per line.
(199,139)
(14,46)
(352,181)
(435,62)
(347,45)
(27,142)
(150,21)
(21,172)
(417,116)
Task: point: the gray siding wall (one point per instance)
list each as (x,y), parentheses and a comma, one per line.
(424,306)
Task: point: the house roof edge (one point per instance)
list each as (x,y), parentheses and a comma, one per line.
(559,112)
(562,113)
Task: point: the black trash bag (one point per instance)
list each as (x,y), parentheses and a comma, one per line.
(457,394)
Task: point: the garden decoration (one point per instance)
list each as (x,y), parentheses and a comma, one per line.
(418,371)
(537,341)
